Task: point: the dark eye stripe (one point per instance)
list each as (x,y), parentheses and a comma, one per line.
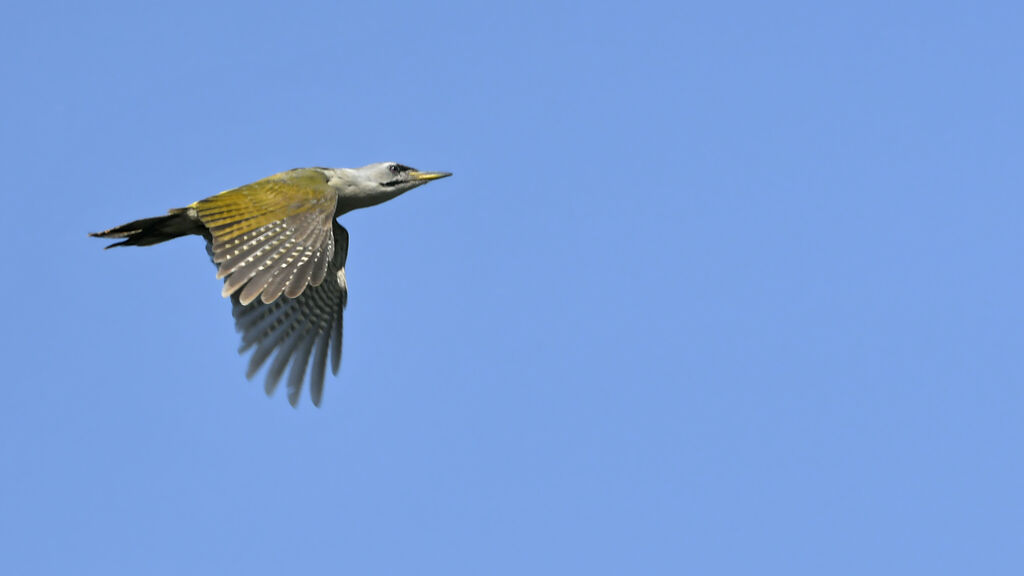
(397,169)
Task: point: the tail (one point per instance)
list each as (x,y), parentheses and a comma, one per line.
(149,231)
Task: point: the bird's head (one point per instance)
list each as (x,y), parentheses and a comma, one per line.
(376,183)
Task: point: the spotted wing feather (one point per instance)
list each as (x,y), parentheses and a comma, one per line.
(299,332)
(271,237)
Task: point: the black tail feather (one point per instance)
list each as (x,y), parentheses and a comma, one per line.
(149,231)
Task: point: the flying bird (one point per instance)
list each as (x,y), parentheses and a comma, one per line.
(281,253)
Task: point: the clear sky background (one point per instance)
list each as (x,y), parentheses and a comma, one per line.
(717,288)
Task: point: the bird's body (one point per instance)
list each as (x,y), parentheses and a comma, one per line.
(282,254)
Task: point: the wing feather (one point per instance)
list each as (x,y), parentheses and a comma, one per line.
(319,367)
(281,359)
(299,361)
(265,233)
(301,332)
(269,340)
(283,271)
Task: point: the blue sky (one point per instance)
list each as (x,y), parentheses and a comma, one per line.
(717,288)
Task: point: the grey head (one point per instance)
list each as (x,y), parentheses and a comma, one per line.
(375,183)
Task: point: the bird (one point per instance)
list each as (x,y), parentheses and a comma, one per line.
(281,253)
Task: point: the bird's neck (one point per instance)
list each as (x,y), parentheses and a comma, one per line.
(354,193)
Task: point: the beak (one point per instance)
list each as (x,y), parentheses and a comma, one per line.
(427,176)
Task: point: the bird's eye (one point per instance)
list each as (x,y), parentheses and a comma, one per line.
(395,168)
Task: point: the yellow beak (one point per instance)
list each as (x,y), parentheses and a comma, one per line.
(427,176)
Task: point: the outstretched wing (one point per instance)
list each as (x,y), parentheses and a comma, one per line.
(273,236)
(296,330)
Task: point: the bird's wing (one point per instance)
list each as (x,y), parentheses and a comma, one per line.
(272,236)
(298,329)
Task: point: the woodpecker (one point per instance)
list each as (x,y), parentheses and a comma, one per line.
(281,252)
